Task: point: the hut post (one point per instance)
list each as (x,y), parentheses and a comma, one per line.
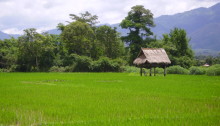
(151,71)
(154,71)
(141,71)
(165,70)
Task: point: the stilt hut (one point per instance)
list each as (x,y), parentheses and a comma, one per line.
(151,58)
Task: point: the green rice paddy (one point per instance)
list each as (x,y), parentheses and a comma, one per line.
(114,99)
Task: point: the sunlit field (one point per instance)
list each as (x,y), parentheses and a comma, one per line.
(108,99)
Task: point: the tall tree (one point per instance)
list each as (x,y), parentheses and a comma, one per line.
(138,21)
(8,54)
(109,41)
(176,43)
(35,51)
(78,38)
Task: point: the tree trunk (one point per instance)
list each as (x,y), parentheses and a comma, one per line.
(36,62)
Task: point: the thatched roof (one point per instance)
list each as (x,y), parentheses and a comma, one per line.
(152,56)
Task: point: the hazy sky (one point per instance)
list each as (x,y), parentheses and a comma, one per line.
(16,15)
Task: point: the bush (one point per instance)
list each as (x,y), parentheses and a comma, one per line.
(12,68)
(78,63)
(184,62)
(4,70)
(213,70)
(83,64)
(197,70)
(159,70)
(177,70)
(57,69)
(105,64)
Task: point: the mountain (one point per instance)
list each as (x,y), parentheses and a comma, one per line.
(7,36)
(3,35)
(202,26)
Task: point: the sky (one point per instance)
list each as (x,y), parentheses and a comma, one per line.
(17,15)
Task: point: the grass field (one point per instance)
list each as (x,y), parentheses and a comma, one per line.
(108,99)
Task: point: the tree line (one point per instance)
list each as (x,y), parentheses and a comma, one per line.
(84,46)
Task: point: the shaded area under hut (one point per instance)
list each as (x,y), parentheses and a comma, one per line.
(151,58)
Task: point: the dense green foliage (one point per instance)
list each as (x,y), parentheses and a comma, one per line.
(78,38)
(77,49)
(214,70)
(197,70)
(81,37)
(108,99)
(109,42)
(182,53)
(8,54)
(86,64)
(35,51)
(84,47)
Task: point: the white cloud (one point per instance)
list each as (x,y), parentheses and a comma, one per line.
(13,31)
(46,14)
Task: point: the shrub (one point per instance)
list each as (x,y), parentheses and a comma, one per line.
(101,65)
(197,70)
(177,70)
(4,70)
(57,69)
(184,61)
(76,63)
(159,71)
(118,65)
(70,68)
(213,70)
(83,64)
(105,64)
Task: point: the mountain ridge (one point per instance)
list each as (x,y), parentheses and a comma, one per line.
(7,36)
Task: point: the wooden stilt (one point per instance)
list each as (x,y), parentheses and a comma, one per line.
(146,72)
(154,71)
(150,71)
(141,71)
(165,71)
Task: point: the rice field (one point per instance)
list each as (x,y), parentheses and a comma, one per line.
(116,99)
